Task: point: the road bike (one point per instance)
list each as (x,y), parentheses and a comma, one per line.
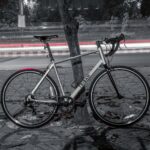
(118,95)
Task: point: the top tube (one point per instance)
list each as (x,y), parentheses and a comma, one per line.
(71,58)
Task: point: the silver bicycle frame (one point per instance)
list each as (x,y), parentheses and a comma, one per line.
(83,82)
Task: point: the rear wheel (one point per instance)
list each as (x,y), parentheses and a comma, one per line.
(19,109)
(129,106)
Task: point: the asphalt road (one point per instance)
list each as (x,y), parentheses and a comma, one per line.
(138,60)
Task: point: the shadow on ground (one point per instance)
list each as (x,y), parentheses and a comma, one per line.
(59,138)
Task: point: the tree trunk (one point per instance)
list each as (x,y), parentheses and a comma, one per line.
(3,3)
(71,27)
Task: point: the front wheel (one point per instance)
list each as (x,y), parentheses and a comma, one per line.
(122,106)
(19,109)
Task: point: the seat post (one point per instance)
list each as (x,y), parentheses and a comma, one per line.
(49,50)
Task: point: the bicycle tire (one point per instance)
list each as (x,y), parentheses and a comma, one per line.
(19,85)
(114,111)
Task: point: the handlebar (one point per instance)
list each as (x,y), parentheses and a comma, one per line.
(114,41)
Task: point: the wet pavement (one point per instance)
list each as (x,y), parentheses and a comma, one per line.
(63,135)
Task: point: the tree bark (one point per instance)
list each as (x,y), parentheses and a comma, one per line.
(71,27)
(3,3)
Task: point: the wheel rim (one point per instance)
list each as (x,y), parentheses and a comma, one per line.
(32,115)
(123,111)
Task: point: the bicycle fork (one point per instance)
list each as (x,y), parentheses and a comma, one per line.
(113,83)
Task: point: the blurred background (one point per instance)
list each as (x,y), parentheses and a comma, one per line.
(21,19)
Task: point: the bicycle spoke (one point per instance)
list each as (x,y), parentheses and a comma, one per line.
(20,111)
(120,110)
(26,111)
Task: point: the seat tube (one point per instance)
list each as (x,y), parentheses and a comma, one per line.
(49,51)
(43,77)
(58,78)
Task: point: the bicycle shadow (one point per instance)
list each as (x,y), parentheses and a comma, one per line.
(89,140)
(24,139)
(133,138)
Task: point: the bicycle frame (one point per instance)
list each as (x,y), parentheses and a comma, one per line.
(83,82)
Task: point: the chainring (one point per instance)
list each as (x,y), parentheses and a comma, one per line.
(67,105)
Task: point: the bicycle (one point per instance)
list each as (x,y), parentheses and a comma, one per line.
(118,95)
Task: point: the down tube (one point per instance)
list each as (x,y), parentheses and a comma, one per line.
(82,84)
